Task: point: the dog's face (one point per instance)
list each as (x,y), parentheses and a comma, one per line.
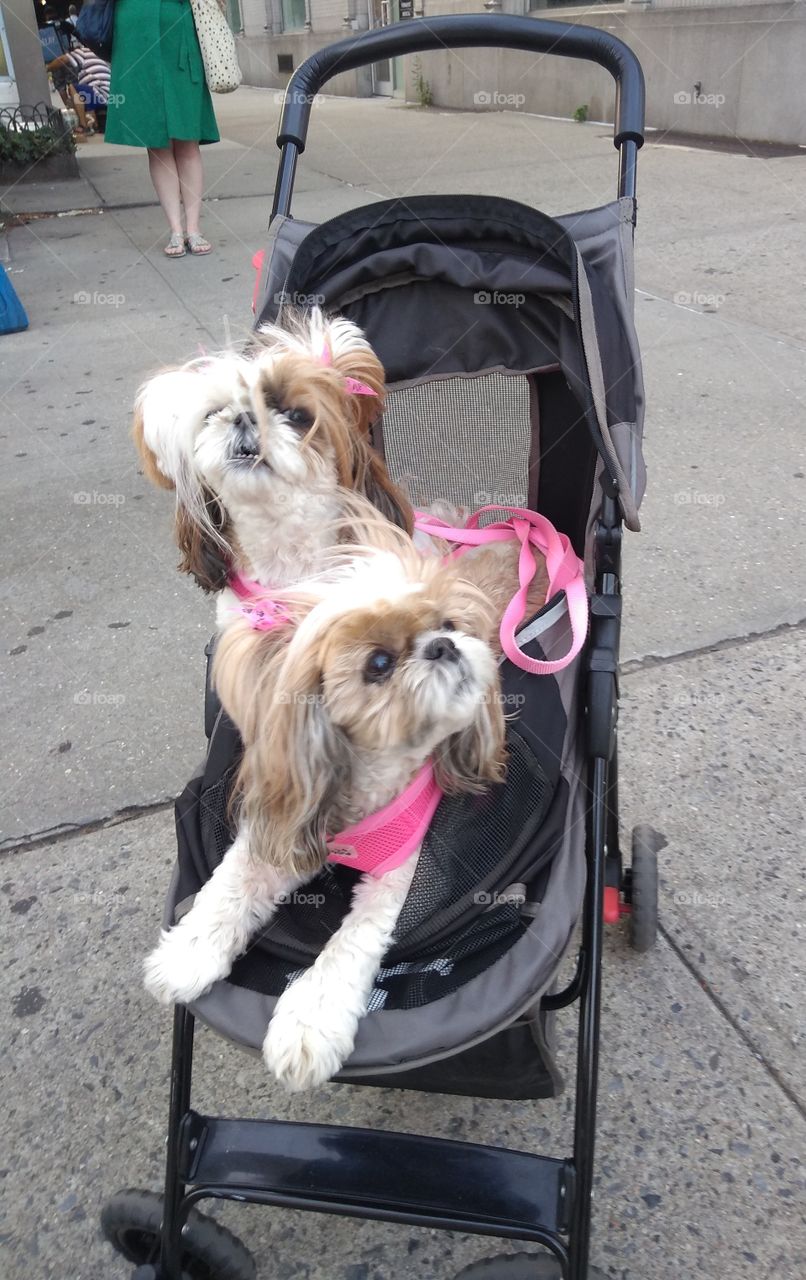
(391,668)
(287,424)
(403,677)
(251,443)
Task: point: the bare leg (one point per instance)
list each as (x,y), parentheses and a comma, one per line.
(239,898)
(316,1019)
(165,178)
(191,181)
(77,103)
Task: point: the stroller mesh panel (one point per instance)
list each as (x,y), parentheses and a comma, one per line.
(467,440)
(469,845)
(411,984)
(217,833)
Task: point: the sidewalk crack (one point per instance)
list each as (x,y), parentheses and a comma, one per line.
(722,1008)
(651,660)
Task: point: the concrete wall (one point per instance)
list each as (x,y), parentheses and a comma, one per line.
(258,58)
(26,52)
(749,60)
(263,39)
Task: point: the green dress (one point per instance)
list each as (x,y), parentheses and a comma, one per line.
(158,90)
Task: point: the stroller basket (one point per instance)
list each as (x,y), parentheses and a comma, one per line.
(513,376)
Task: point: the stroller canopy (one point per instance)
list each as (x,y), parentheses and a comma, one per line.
(449,292)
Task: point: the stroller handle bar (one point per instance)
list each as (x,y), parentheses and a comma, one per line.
(465,31)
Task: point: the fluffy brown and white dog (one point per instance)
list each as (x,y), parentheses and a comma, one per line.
(377,668)
(261,447)
(266,449)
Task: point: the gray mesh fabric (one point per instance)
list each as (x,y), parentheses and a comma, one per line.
(465,440)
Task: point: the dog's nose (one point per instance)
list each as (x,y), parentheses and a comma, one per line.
(247,439)
(441,649)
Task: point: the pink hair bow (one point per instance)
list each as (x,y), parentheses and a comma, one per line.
(354,387)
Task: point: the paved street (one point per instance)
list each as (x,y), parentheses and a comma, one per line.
(702,1135)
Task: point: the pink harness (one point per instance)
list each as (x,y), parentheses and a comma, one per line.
(385,839)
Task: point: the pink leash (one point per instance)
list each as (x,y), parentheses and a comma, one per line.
(566,573)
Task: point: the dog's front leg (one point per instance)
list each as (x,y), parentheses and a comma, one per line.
(239,898)
(314,1026)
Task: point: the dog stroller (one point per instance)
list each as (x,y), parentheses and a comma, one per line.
(514,380)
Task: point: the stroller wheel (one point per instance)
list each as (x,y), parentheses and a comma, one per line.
(644,889)
(130,1221)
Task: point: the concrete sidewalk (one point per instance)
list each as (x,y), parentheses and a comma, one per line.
(701,1139)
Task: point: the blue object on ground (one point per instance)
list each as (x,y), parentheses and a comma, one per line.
(12,312)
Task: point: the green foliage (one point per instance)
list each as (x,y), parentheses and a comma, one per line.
(24,147)
(581,113)
(425,96)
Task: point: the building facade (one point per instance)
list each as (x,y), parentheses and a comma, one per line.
(277,35)
(23,79)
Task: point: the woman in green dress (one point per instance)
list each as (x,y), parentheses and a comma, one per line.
(159,99)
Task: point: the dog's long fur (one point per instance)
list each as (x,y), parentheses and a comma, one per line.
(327,743)
(303,774)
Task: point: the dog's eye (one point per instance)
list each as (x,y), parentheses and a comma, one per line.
(379,666)
(447,625)
(299,418)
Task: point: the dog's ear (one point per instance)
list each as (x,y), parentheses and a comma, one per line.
(371,479)
(296,764)
(151,466)
(203,545)
(474,758)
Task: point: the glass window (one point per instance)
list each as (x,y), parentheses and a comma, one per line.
(293,15)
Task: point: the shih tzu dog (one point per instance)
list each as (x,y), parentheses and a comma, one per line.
(261,447)
(376,679)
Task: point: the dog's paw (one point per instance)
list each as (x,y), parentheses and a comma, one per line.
(182,968)
(309,1038)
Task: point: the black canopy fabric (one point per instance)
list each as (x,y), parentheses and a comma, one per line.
(445,286)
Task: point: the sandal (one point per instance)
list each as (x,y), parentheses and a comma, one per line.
(175,248)
(197,244)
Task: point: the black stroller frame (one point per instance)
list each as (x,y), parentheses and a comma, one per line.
(403,1178)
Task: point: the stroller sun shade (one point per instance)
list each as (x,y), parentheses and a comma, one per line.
(448,292)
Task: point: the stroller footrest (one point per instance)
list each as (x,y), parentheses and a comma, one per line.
(366,1173)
